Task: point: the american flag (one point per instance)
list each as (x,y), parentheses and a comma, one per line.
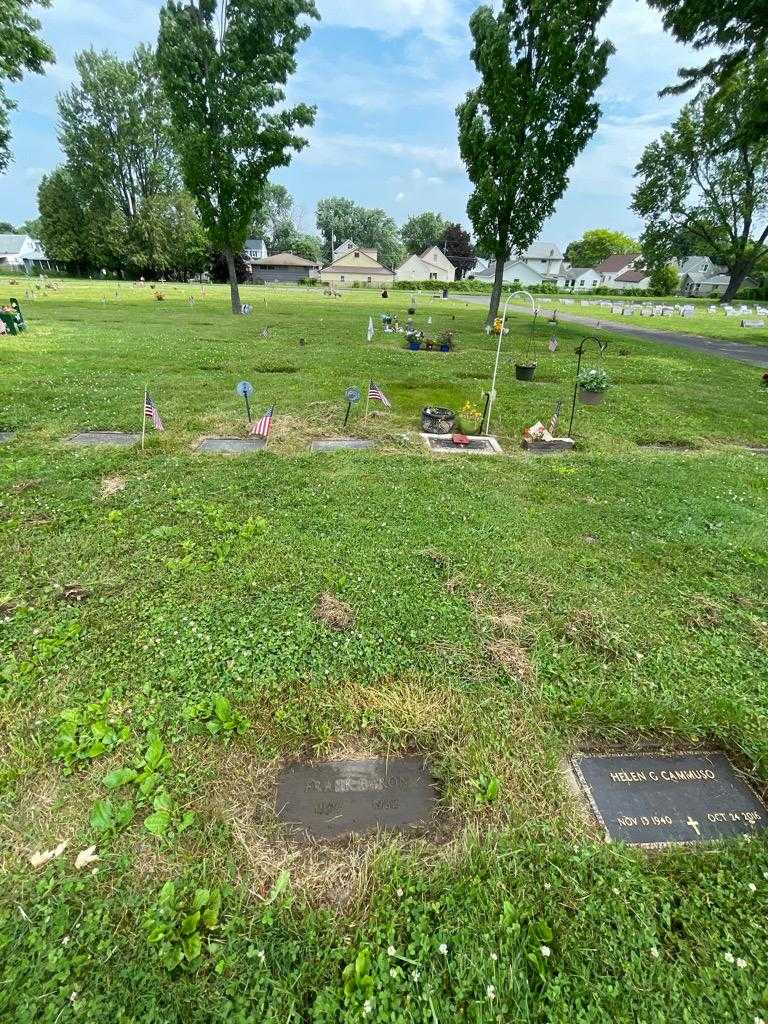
(377,395)
(370,328)
(151,413)
(261,429)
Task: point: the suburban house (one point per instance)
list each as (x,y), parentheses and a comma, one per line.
(543,257)
(700,276)
(255,249)
(614,266)
(578,278)
(515,272)
(357,266)
(23,252)
(432,265)
(283,267)
(633,279)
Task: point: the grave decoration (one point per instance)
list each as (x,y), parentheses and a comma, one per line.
(592,385)
(245,389)
(375,394)
(351,395)
(150,413)
(602,345)
(370,332)
(12,318)
(437,420)
(336,798)
(262,428)
(541,440)
(655,799)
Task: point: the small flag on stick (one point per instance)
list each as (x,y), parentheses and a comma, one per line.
(370,328)
(375,394)
(262,427)
(151,413)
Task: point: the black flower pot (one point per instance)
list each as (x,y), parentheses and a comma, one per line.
(525,371)
(435,420)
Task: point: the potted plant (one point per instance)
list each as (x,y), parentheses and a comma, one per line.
(411,311)
(592,385)
(446,341)
(413,340)
(525,371)
(429,344)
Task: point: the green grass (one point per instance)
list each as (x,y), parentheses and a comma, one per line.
(506,612)
(702,323)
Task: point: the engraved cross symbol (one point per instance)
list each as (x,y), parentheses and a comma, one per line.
(694,825)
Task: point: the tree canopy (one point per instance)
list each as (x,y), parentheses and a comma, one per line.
(597,245)
(457,247)
(738,28)
(695,193)
(533,112)
(422,231)
(342,218)
(224,71)
(21,49)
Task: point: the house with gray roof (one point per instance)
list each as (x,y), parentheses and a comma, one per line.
(22,252)
(283,268)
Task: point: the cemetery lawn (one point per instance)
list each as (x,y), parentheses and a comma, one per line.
(706,325)
(495,614)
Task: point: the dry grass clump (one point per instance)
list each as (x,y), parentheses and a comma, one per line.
(112,485)
(704,614)
(333,612)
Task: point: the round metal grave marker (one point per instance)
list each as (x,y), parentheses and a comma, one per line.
(352,394)
(244,389)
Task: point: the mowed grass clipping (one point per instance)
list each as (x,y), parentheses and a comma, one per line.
(493,614)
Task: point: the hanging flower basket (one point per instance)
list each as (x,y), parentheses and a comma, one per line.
(592,386)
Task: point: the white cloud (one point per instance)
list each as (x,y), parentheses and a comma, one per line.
(438,20)
(400,197)
(417,173)
(337,149)
(435,181)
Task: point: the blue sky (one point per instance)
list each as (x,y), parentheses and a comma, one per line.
(386,76)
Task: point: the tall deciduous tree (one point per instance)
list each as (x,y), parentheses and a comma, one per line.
(694,190)
(457,247)
(422,231)
(522,128)
(739,28)
(339,218)
(273,209)
(224,67)
(597,245)
(21,50)
(62,219)
(114,127)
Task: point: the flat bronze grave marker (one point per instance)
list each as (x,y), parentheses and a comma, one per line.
(335,798)
(334,444)
(655,800)
(98,437)
(231,445)
(442,443)
(757,451)
(6,436)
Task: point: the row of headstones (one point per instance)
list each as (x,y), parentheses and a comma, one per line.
(685,311)
(648,799)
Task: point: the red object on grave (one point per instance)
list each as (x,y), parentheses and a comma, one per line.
(460,439)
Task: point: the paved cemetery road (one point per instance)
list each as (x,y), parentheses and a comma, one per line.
(755,354)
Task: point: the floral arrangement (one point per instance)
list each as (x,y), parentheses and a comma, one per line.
(594,380)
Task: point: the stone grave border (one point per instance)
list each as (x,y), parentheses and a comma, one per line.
(256,445)
(586,791)
(122,441)
(493,444)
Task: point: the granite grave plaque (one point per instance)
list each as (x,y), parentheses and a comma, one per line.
(335,444)
(231,445)
(655,799)
(98,437)
(6,436)
(442,443)
(334,798)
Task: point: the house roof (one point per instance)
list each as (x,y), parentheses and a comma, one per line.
(542,251)
(575,271)
(284,259)
(633,276)
(619,262)
(10,245)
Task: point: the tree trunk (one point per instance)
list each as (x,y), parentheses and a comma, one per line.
(498,284)
(738,274)
(234,290)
